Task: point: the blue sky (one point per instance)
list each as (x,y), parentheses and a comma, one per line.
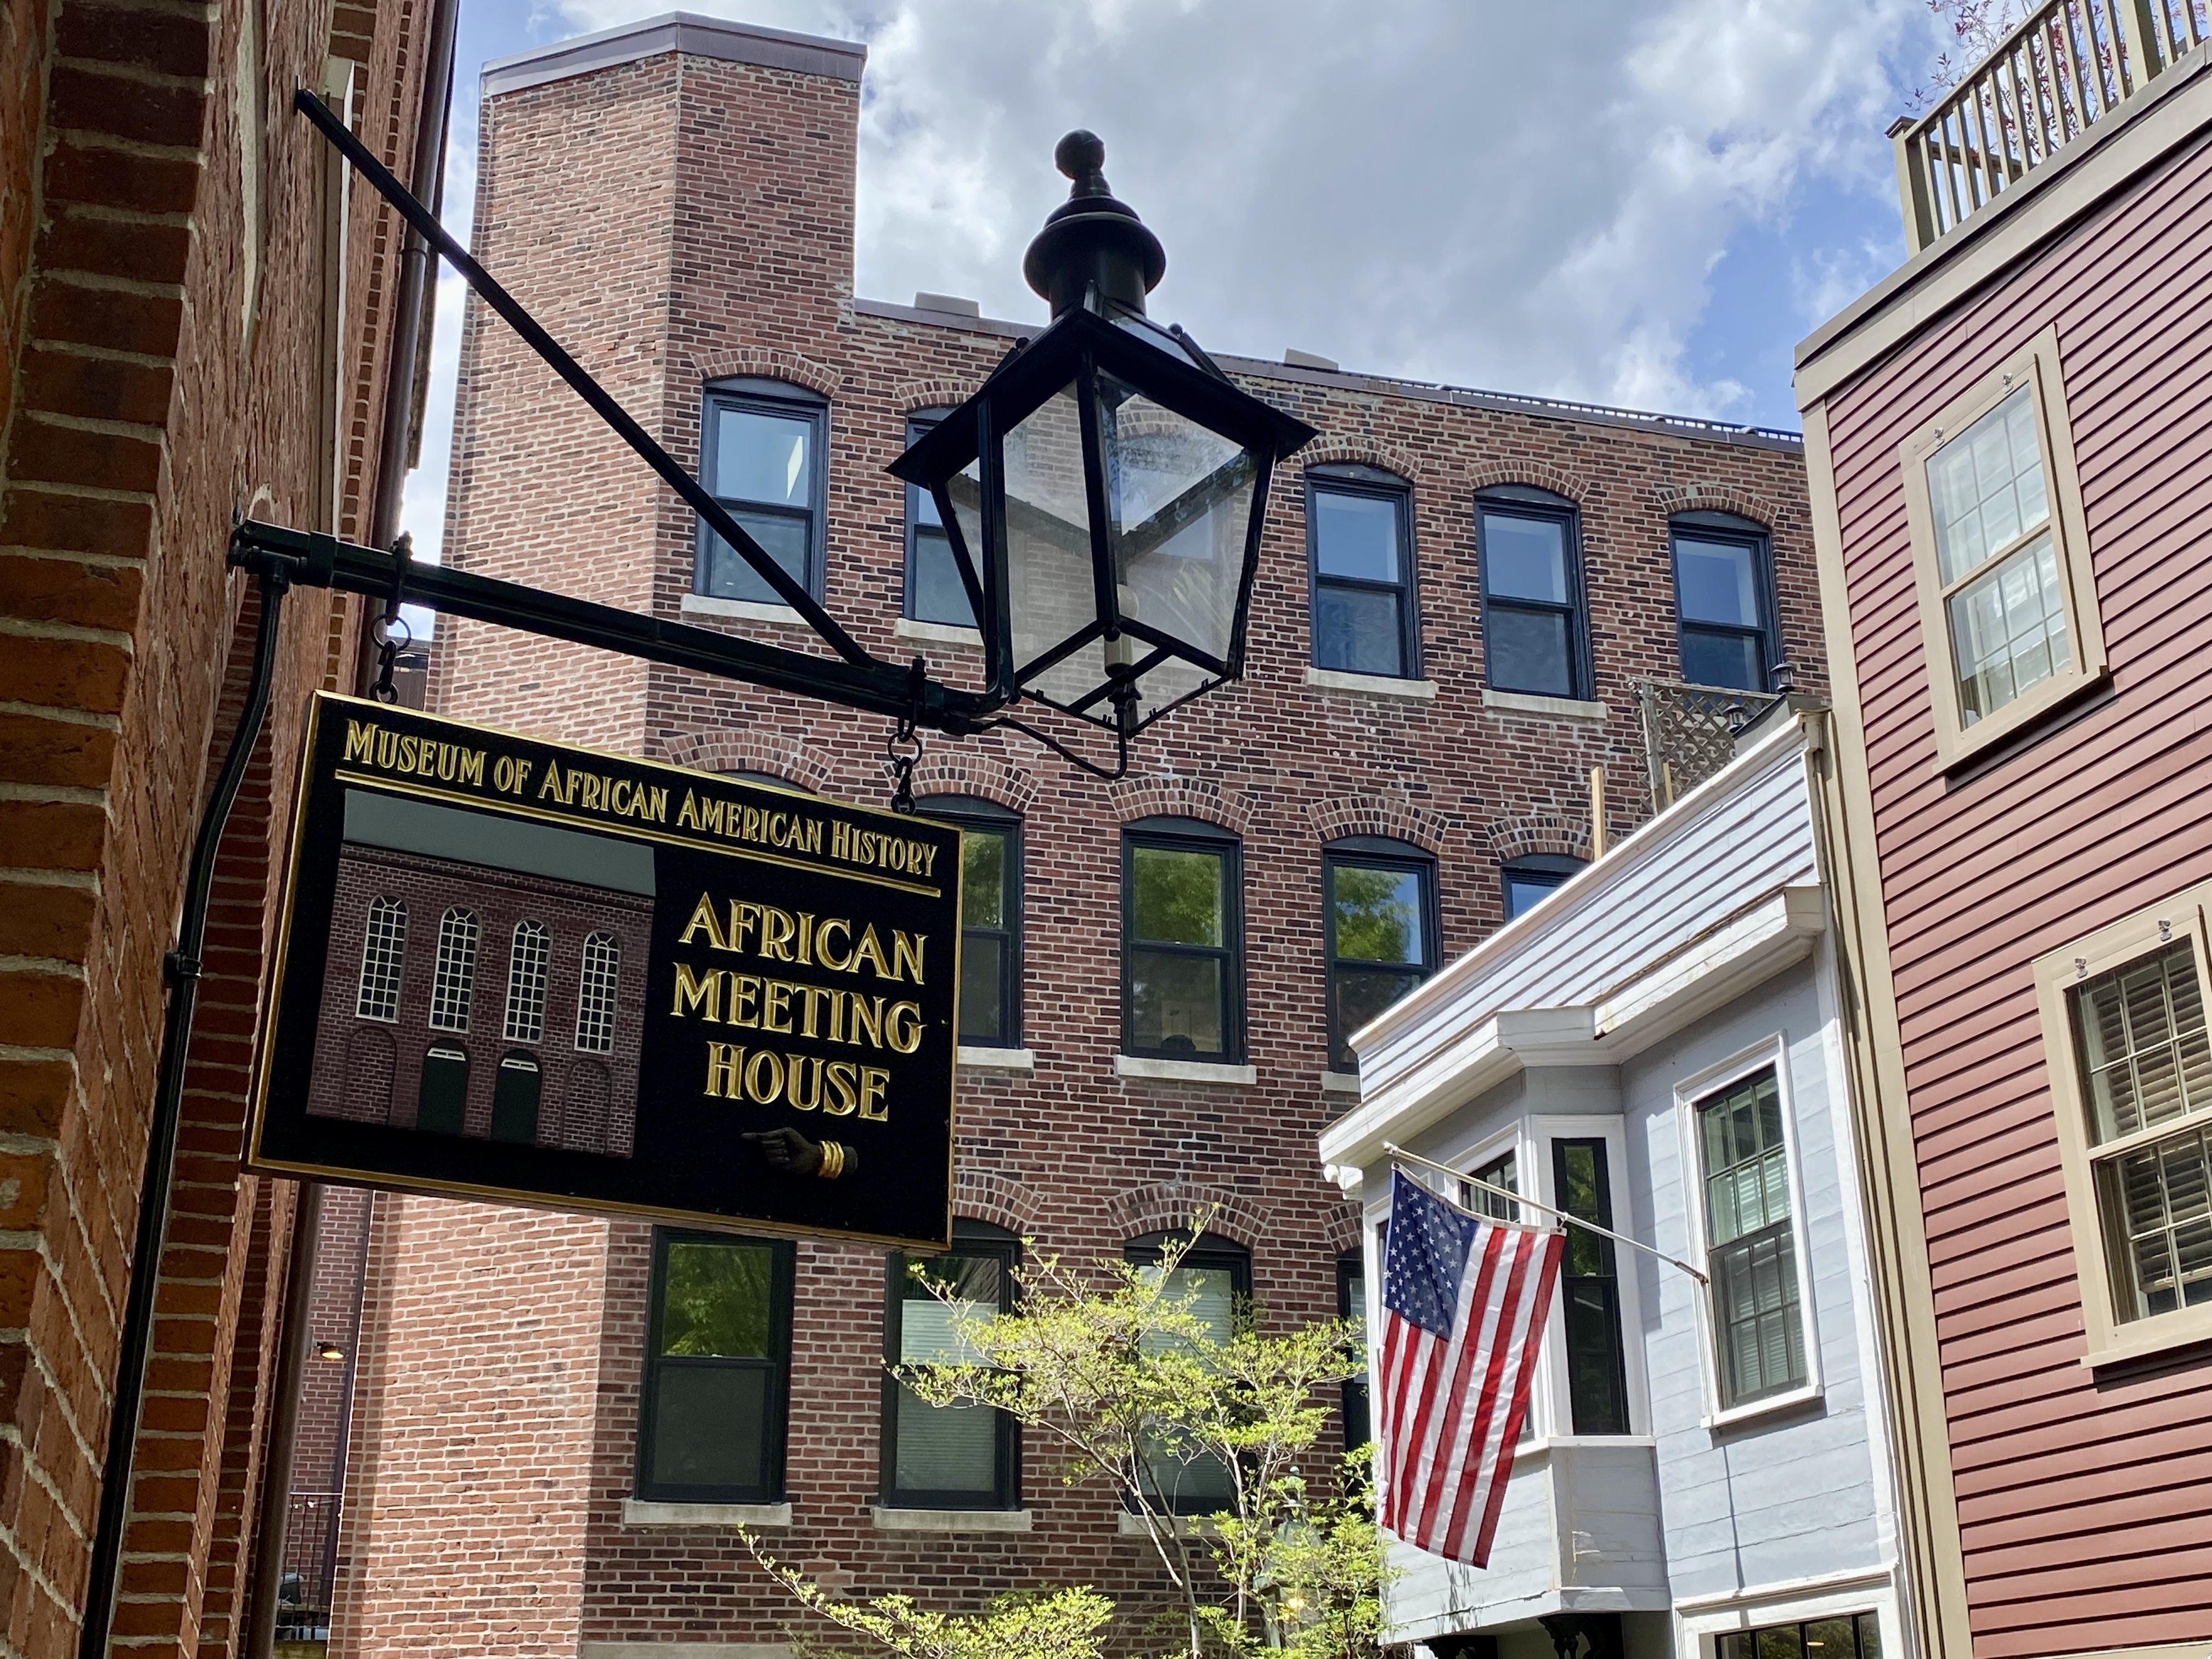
(1644,203)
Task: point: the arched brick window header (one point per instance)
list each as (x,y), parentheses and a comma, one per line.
(1533,474)
(763,363)
(750,751)
(1326,450)
(1718,498)
(1170,1206)
(1179,797)
(1540,832)
(981,1195)
(955,772)
(1343,816)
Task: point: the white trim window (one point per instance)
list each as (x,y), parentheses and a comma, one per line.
(597,996)
(383,959)
(527,959)
(1751,1240)
(452,986)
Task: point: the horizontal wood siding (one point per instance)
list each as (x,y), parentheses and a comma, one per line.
(2086,1511)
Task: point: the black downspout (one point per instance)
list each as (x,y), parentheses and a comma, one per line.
(182,969)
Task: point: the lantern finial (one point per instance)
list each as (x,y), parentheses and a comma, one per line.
(1091,244)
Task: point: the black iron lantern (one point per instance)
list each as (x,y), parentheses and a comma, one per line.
(1103,492)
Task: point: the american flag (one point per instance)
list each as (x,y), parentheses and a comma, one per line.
(1463,1300)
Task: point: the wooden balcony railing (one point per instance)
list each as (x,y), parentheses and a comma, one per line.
(2068,65)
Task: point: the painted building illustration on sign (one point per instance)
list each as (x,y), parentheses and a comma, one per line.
(483,976)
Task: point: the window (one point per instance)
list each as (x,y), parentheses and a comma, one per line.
(1750,1241)
(934,591)
(761,458)
(1351,1304)
(1532,637)
(1529,877)
(453,987)
(1379,916)
(955,1457)
(990,918)
(717,1359)
(1182,942)
(383,960)
(597,994)
(2001,555)
(1724,602)
(2131,1081)
(526,963)
(1360,546)
(1216,1274)
(1503,1171)
(1847,1635)
(1589,1292)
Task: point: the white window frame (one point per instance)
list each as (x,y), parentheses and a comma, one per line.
(2110,1340)
(1557,1423)
(1699,1621)
(2036,364)
(1768,1052)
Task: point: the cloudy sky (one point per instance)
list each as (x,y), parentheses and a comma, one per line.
(1644,202)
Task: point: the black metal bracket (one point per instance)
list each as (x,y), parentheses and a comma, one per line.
(853,678)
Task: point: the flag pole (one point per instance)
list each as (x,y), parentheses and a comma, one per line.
(1398,1152)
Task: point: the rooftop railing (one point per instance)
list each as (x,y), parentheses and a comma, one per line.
(1690,730)
(2067,66)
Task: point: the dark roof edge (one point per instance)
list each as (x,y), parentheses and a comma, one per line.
(680,31)
(1682,426)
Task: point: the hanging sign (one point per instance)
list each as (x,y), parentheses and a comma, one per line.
(526,972)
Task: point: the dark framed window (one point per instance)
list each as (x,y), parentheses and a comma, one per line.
(1379,925)
(990,918)
(1182,941)
(1751,1237)
(1535,636)
(1846,1636)
(1529,876)
(934,591)
(717,1376)
(1351,1304)
(1505,1171)
(762,444)
(1589,1292)
(1216,1273)
(950,1457)
(1360,554)
(1724,602)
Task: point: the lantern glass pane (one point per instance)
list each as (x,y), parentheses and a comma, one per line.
(1051,591)
(1179,502)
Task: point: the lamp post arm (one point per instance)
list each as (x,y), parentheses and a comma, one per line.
(316,560)
(791,591)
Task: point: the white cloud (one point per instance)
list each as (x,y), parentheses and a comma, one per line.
(1532,196)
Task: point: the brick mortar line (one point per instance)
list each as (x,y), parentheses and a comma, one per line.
(114,145)
(112,354)
(35,1468)
(106,428)
(68,716)
(16,1051)
(25,628)
(201,84)
(56,967)
(84,492)
(54,794)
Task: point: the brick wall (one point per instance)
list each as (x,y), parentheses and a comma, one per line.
(677,220)
(162,250)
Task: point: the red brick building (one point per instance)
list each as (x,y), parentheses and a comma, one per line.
(198,319)
(1468,604)
(2011,475)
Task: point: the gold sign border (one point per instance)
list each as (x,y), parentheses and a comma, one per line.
(273,999)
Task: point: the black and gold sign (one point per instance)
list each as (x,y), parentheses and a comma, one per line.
(516,970)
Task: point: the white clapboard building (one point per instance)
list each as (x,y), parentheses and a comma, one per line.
(1658,1047)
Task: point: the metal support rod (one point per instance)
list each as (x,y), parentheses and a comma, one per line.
(182,966)
(788,588)
(1399,1153)
(881,688)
